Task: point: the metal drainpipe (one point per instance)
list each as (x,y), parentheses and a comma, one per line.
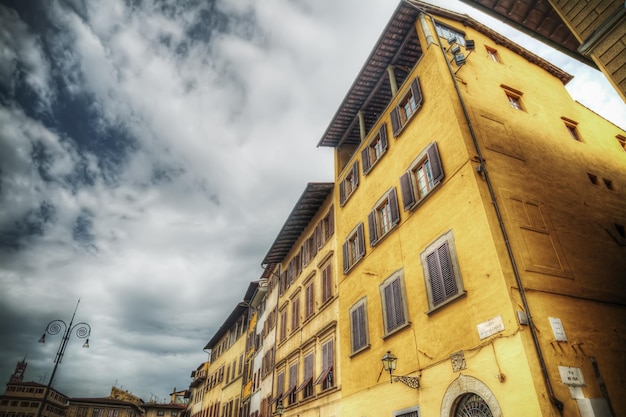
(544,370)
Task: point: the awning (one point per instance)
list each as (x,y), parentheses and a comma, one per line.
(323,375)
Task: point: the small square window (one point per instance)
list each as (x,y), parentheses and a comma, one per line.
(620,230)
(572,128)
(493,55)
(622,141)
(514,97)
(593,179)
(608,183)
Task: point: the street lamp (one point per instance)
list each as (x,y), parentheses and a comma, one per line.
(389,364)
(83,330)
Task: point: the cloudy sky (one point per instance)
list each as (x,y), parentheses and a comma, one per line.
(150,151)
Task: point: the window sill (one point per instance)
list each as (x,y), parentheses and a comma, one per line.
(421,200)
(445,303)
(347,271)
(362,349)
(396,330)
(380,239)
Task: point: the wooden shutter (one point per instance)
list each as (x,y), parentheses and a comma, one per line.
(346,257)
(358,327)
(280,384)
(365,157)
(393,206)
(360,240)
(441,274)
(293,375)
(342,193)
(309,299)
(395,122)
(308,366)
(331,221)
(394,308)
(435,163)
(326,283)
(383,137)
(371,219)
(406,187)
(417,93)
(355,173)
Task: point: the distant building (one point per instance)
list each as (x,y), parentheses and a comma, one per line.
(163,410)
(103,407)
(23,399)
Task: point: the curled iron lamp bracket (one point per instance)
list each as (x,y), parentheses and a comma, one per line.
(409,381)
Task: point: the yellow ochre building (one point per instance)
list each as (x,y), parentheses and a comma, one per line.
(469,258)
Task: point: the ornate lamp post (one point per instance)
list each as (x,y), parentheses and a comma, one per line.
(83,330)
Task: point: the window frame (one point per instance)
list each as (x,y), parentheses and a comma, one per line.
(514,98)
(398,115)
(295,311)
(359,326)
(452,33)
(572,129)
(384,216)
(446,240)
(375,149)
(309,298)
(349,184)
(409,181)
(493,54)
(353,248)
(394,302)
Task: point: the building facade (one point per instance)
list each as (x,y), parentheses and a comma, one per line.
(23,399)
(468,258)
(479,214)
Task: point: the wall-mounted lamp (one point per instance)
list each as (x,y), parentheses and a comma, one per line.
(459,59)
(452,40)
(455,49)
(470,45)
(280,410)
(389,364)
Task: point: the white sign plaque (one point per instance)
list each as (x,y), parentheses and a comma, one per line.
(572,376)
(557,329)
(490,327)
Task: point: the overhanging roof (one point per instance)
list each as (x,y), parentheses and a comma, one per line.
(239,309)
(305,209)
(399,46)
(536,18)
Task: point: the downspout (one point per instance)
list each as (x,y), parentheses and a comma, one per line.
(483,169)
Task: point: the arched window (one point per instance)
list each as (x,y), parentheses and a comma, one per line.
(472,405)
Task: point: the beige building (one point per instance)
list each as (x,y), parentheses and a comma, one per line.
(23,399)
(103,407)
(307,378)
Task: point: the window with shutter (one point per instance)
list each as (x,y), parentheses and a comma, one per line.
(309,295)
(441,272)
(307,383)
(395,314)
(424,174)
(353,248)
(349,183)
(358,326)
(326,378)
(283,325)
(384,216)
(327,283)
(293,383)
(295,313)
(408,105)
(374,149)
